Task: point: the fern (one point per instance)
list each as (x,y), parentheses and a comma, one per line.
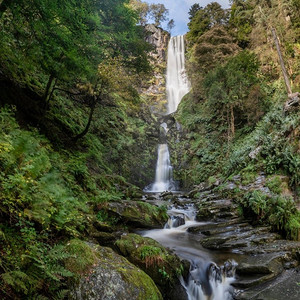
(17,280)
(61,294)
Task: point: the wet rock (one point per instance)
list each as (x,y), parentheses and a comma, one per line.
(168,196)
(105,238)
(163,266)
(213,242)
(261,264)
(101,226)
(175,221)
(285,286)
(114,277)
(136,214)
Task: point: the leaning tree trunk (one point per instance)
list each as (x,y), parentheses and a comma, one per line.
(87,127)
(284,72)
(232,127)
(48,87)
(51,94)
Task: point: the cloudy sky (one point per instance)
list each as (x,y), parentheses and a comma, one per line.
(178,10)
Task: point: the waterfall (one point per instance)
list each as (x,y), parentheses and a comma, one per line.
(177,82)
(163,174)
(177,86)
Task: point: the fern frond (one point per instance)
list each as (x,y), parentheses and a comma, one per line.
(16,279)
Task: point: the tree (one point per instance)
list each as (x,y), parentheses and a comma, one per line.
(214,47)
(204,19)
(193,10)
(66,41)
(229,88)
(241,21)
(142,8)
(171,25)
(158,13)
(112,76)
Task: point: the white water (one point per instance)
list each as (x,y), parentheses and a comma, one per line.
(163,173)
(177,84)
(206,281)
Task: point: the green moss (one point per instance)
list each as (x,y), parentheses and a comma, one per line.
(138,278)
(82,257)
(248,174)
(293,226)
(275,184)
(161,265)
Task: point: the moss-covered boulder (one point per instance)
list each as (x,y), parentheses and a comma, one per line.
(163,266)
(137,214)
(108,275)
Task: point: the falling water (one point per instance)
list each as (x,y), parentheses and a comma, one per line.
(177,86)
(206,281)
(163,174)
(177,82)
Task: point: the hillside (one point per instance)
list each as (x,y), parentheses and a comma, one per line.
(82,91)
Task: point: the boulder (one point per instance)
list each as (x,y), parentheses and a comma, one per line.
(163,266)
(285,286)
(137,214)
(113,277)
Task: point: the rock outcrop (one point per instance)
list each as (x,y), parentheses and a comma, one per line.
(155,86)
(114,277)
(163,266)
(268,266)
(159,38)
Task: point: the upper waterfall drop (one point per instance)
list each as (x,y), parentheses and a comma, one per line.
(177,84)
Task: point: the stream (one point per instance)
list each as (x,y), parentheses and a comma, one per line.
(211,272)
(243,261)
(206,279)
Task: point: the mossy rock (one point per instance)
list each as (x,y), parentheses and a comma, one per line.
(163,266)
(113,277)
(137,214)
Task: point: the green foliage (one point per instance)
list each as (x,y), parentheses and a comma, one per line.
(147,251)
(278,211)
(248,174)
(68,40)
(275,184)
(164,273)
(81,257)
(44,198)
(203,19)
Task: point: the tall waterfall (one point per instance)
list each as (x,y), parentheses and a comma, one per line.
(177,82)
(177,86)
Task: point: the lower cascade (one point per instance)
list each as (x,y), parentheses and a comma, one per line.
(163,174)
(206,280)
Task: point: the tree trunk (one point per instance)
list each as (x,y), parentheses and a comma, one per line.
(50,80)
(232,127)
(51,93)
(228,128)
(86,129)
(284,72)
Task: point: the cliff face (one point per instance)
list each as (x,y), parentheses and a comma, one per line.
(154,87)
(159,38)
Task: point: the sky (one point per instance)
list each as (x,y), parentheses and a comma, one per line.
(178,10)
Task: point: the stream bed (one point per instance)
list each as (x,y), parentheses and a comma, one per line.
(229,258)
(212,272)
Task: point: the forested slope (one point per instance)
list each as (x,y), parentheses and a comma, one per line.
(74,134)
(236,121)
